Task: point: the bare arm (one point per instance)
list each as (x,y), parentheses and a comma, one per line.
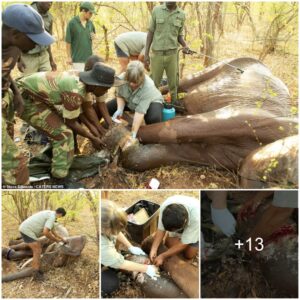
(75,126)
(137,122)
(133,267)
(147,50)
(89,125)
(91,115)
(69,54)
(18,100)
(174,250)
(47,233)
(181,41)
(159,235)
(123,240)
(104,112)
(52,62)
(121,103)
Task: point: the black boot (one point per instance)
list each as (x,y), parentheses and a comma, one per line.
(38,275)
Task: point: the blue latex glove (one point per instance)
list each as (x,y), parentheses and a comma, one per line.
(136,251)
(118,113)
(223,219)
(152,272)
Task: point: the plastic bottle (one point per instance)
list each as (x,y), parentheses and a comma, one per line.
(168,112)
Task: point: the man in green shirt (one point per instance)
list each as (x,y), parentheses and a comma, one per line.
(164,35)
(39,224)
(79,36)
(53,102)
(40,58)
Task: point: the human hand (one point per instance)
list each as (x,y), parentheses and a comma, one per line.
(117,113)
(136,251)
(97,143)
(130,142)
(159,260)
(18,104)
(21,65)
(224,220)
(152,255)
(152,272)
(187,50)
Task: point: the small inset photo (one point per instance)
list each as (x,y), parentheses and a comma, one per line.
(249,244)
(150,244)
(50,244)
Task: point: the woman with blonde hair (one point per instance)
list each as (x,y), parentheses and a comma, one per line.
(113,221)
(139,95)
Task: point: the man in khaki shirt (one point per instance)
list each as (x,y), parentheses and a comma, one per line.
(164,36)
(39,224)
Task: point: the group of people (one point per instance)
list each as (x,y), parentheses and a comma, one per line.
(59,103)
(178,229)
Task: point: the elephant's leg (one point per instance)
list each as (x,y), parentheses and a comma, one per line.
(15,242)
(11,254)
(18,275)
(25,246)
(185,275)
(272,165)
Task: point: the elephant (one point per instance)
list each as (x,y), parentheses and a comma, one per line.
(54,255)
(184,274)
(162,287)
(233,109)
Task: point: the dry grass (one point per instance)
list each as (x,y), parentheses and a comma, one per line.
(79,280)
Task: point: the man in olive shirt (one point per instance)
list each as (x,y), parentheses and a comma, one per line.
(79,36)
(164,35)
(40,58)
(39,224)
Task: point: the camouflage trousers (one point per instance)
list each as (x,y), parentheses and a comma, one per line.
(45,119)
(14,163)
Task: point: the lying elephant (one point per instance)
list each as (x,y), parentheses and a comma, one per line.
(185,275)
(55,255)
(231,114)
(163,287)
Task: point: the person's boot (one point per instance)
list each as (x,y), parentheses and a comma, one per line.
(38,275)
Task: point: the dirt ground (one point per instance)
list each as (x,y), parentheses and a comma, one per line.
(128,287)
(79,280)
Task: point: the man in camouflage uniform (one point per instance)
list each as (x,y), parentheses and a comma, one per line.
(22,30)
(164,35)
(53,102)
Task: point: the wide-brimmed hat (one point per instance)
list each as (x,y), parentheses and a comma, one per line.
(27,20)
(101,75)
